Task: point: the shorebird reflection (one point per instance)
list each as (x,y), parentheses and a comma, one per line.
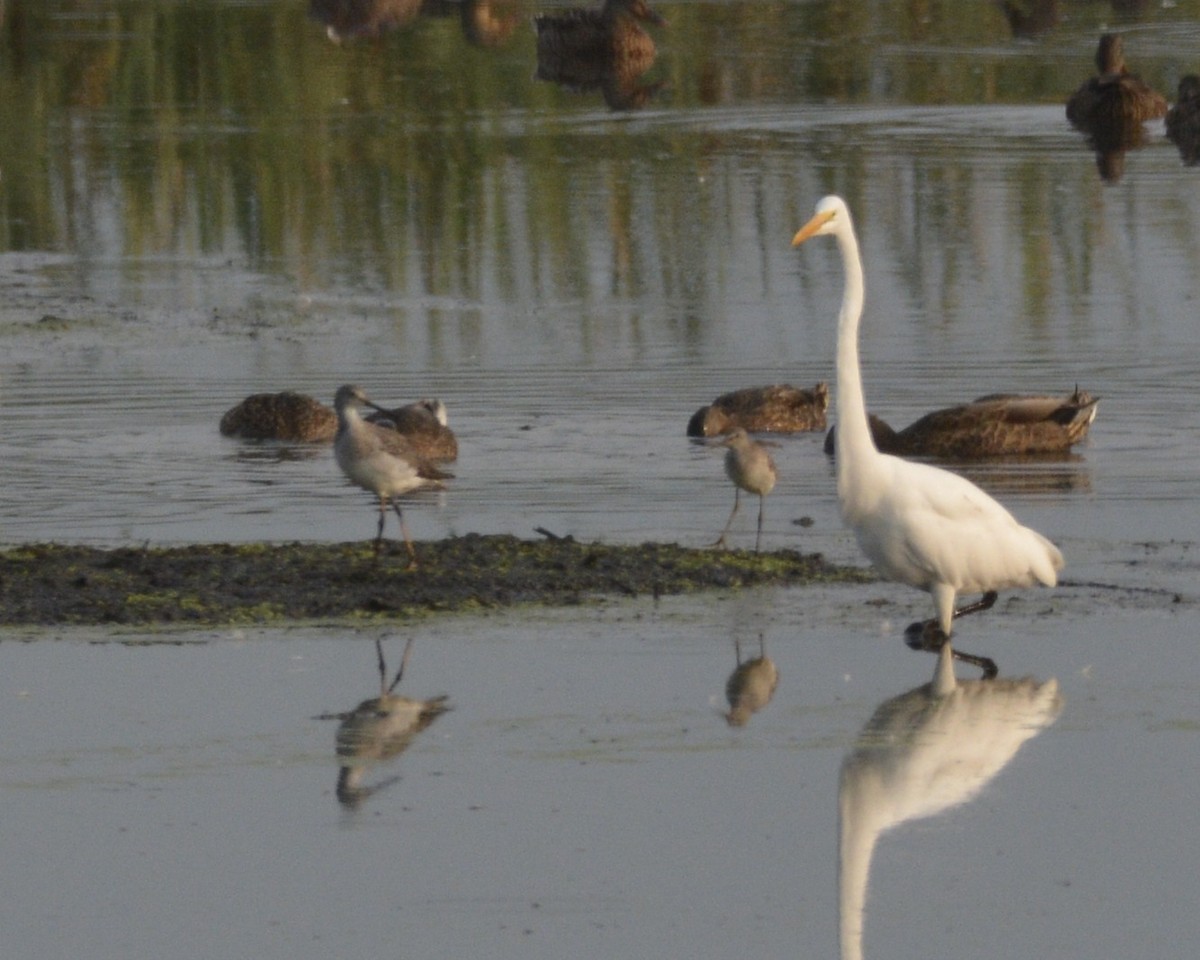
(380,729)
(751,685)
(921,754)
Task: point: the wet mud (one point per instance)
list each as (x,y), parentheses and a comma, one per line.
(209,584)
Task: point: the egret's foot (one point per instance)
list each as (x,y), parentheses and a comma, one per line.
(926,635)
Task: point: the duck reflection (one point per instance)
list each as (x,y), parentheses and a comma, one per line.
(362,19)
(923,753)
(751,685)
(605,50)
(1183,120)
(1030,18)
(380,729)
(485,23)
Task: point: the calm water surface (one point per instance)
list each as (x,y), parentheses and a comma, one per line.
(202,201)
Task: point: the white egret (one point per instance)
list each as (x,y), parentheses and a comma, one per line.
(917,524)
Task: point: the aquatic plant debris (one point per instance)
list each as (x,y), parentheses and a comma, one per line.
(259,583)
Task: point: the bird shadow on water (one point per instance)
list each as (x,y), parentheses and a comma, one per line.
(378,730)
(924,753)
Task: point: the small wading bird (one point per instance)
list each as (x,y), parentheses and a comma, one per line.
(380,729)
(780,408)
(1115,99)
(918,524)
(995,425)
(751,468)
(379,460)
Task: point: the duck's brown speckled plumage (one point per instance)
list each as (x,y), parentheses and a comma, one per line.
(990,426)
(1183,119)
(287,416)
(423,423)
(780,408)
(1114,97)
(612,32)
(292,417)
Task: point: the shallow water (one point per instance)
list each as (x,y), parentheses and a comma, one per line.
(202,201)
(585,796)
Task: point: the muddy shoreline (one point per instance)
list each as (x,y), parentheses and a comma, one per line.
(218,584)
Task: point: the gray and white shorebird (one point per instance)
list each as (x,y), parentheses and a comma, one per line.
(752,469)
(379,460)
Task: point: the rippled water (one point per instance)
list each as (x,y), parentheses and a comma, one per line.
(573,282)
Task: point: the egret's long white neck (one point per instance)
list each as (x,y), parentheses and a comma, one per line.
(855,448)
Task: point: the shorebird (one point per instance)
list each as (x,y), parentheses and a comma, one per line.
(779,408)
(751,468)
(379,460)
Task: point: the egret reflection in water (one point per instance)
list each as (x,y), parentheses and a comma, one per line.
(379,729)
(923,753)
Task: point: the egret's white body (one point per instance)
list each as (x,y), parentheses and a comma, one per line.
(917,524)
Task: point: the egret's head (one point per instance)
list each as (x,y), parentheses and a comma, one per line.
(830,215)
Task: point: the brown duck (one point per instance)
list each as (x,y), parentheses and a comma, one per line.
(780,408)
(1183,119)
(298,418)
(999,424)
(610,33)
(1114,99)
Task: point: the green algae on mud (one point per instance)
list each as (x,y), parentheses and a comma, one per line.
(209,584)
